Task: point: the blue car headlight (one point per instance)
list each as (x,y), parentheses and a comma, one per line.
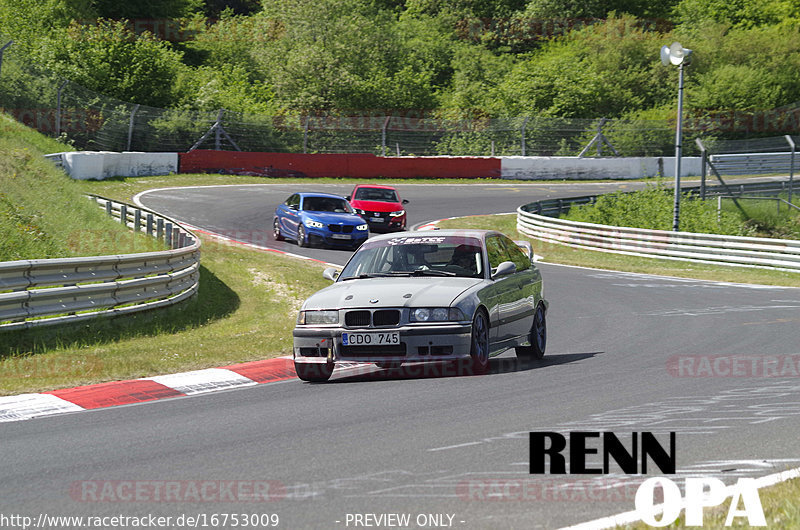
(362,227)
(314,224)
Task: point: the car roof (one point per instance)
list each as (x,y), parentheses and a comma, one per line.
(325,195)
(379,186)
(478,234)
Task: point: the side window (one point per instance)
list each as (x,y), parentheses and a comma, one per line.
(294,200)
(517,255)
(496,251)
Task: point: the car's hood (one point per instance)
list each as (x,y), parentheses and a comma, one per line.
(377,206)
(332,218)
(427,291)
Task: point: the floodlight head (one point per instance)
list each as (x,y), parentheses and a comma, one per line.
(676,53)
(665,55)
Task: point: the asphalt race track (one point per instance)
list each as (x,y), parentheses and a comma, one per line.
(625,354)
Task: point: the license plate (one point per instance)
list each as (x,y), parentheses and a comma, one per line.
(376,219)
(340,236)
(371,339)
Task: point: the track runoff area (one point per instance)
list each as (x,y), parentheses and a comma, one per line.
(676,375)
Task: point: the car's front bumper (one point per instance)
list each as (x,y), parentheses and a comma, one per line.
(420,343)
(356,237)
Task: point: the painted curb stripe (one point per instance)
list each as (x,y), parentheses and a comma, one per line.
(267,371)
(115,393)
(27,406)
(201,381)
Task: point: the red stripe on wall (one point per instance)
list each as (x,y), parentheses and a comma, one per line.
(337,165)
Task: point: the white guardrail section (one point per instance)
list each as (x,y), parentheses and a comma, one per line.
(533,221)
(58,291)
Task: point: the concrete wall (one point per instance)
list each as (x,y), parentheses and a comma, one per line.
(574,168)
(103,164)
(99,165)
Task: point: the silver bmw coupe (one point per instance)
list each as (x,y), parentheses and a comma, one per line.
(411,297)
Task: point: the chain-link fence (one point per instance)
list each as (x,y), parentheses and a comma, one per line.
(92,121)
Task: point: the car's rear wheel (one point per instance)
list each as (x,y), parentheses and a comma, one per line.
(479,347)
(537,338)
(301,236)
(276,230)
(388,365)
(315,373)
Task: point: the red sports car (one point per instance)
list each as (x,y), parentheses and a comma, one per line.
(380,206)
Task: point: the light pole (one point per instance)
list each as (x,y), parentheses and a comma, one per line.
(679,56)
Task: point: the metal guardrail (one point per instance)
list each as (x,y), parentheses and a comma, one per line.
(57,291)
(538,220)
(753,163)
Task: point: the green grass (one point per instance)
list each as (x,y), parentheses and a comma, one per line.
(45,215)
(767,218)
(555,253)
(781,504)
(245,311)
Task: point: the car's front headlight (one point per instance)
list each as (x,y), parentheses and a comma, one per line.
(436,314)
(397,213)
(362,227)
(314,224)
(318,317)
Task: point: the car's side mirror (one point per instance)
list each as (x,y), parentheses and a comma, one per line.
(504,269)
(347,197)
(330,274)
(293,207)
(405,201)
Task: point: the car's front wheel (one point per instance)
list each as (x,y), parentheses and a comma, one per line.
(537,338)
(276,230)
(479,347)
(314,373)
(301,236)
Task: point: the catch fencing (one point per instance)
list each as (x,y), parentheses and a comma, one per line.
(539,220)
(59,291)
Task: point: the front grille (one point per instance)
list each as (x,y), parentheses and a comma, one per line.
(357,319)
(346,229)
(394,350)
(386,317)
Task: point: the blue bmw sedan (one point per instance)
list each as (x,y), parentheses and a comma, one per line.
(319,218)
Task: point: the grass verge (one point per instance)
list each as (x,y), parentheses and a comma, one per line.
(555,253)
(245,310)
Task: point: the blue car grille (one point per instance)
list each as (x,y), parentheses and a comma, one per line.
(344,229)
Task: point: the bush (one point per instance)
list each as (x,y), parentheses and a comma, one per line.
(652,209)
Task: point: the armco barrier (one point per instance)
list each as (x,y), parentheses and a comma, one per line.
(56,291)
(538,220)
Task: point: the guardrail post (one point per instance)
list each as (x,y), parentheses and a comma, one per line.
(137,220)
(149,224)
(703,167)
(176,237)
(108,208)
(181,240)
(168,234)
(123,214)
(160,229)
(791,166)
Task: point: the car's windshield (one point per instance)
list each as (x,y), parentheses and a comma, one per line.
(375,194)
(326,204)
(417,256)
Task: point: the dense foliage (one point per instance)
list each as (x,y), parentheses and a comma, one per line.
(495,58)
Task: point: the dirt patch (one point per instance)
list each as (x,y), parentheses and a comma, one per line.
(281,290)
